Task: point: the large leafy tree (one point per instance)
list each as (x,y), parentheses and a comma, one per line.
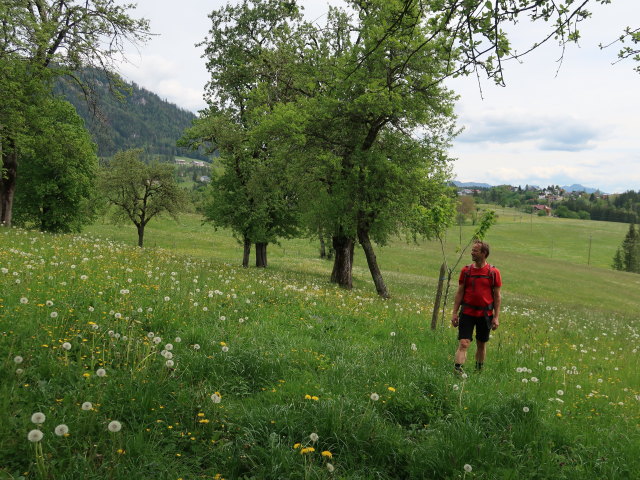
(140,192)
(42,39)
(56,187)
(248,67)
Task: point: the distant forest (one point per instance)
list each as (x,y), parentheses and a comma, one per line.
(130,117)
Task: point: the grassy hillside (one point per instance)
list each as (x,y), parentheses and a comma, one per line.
(539,257)
(212,371)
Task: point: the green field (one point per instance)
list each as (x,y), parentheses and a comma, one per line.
(275,372)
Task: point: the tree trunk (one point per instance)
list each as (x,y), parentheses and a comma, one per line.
(140,234)
(343,263)
(261,254)
(8,185)
(247,252)
(376,274)
(323,250)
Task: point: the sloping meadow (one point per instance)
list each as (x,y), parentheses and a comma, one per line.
(118,362)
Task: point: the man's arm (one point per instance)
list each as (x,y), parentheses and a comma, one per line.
(456,305)
(497,301)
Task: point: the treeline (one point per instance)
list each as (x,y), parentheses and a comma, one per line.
(623,207)
(122,116)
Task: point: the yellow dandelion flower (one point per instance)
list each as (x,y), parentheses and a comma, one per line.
(315,398)
(307,397)
(203,420)
(327,454)
(296,446)
(391,389)
(201,414)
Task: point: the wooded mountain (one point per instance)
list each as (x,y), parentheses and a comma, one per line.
(139,119)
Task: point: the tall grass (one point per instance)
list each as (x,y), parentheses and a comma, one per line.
(288,355)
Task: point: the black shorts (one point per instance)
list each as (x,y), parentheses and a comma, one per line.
(467,324)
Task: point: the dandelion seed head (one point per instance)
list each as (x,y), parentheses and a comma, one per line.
(169,363)
(114,426)
(225,349)
(66,346)
(61,430)
(314,437)
(24,300)
(101,372)
(35,435)
(38,418)
(18,359)
(216,398)
(330,467)
(54,315)
(525,409)
(467,468)
(87,406)
(375,397)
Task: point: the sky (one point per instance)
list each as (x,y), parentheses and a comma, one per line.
(574,122)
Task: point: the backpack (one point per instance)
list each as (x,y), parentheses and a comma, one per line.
(491,275)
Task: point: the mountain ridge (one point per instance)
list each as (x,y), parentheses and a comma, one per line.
(138,119)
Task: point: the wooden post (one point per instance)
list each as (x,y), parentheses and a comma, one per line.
(436,305)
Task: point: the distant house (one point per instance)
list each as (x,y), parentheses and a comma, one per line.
(204,179)
(198,163)
(542,208)
(180,161)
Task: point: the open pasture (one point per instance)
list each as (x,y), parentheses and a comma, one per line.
(174,363)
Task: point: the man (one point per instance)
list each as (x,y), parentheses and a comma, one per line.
(479,295)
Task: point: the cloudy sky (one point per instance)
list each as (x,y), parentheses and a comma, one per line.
(574,122)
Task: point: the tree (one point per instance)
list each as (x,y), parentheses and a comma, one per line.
(56,190)
(251,195)
(628,255)
(49,38)
(140,192)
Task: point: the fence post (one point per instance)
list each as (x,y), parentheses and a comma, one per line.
(436,305)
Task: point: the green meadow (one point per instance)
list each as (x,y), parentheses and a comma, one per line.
(172,362)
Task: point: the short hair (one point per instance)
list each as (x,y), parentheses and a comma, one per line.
(484,247)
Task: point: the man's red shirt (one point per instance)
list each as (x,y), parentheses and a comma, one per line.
(478,291)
